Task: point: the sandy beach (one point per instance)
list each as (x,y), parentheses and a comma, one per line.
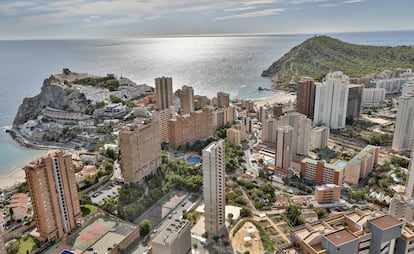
(14,177)
(280,97)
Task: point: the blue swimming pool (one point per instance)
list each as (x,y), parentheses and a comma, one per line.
(271,161)
(340,163)
(194,159)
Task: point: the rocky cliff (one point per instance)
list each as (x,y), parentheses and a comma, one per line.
(318,55)
(53,94)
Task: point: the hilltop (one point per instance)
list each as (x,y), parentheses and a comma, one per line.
(318,55)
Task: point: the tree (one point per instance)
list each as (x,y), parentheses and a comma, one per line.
(230,217)
(12,248)
(195,246)
(216,238)
(85,199)
(320,212)
(245,212)
(144,227)
(286,180)
(294,215)
(110,153)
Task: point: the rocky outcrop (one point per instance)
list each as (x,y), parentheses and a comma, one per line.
(54,95)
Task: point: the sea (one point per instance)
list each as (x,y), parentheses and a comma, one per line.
(230,63)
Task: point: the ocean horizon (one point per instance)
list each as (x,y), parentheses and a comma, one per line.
(229,63)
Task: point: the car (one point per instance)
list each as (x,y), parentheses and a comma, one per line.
(89,249)
(184,203)
(174,212)
(170,216)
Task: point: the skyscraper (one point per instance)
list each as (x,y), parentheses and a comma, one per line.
(404,127)
(140,147)
(52,185)
(186,95)
(331,101)
(300,133)
(305,102)
(164,91)
(214,187)
(283,153)
(354,100)
(409,185)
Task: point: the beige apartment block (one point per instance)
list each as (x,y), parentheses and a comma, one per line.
(327,193)
(191,127)
(175,239)
(186,96)
(223,100)
(164,92)
(163,116)
(141,150)
(361,164)
(52,185)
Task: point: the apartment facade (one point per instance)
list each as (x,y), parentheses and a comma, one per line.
(163,116)
(319,137)
(191,127)
(236,134)
(373,96)
(52,186)
(331,101)
(269,127)
(404,127)
(320,172)
(305,102)
(354,100)
(164,92)
(283,153)
(223,99)
(141,150)
(186,95)
(361,164)
(300,133)
(327,193)
(175,239)
(213,166)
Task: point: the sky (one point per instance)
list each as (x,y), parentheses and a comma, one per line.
(73,19)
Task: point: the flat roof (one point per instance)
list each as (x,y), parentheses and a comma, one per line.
(385,222)
(326,165)
(341,237)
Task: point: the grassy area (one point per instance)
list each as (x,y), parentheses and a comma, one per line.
(26,245)
(88,209)
(194,217)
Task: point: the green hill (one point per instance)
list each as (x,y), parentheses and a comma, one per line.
(318,55)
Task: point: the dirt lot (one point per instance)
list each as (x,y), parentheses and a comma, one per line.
(253,245)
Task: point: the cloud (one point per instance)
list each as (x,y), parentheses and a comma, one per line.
(261,2)
(327,5)
(353,1)
(254,14)
(240,8)
(305,1)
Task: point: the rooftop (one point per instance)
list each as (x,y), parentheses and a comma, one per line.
(326,165)
(385,222)
(367,151)
(341,237)
(168,235)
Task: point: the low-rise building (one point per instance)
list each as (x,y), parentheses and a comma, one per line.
(87,173)
(358,231)
(175,239)
(321,172)
(361,164)
(327,193)
(309,215)
(20,206)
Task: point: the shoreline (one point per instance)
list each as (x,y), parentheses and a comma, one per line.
(280,96)
(11,179)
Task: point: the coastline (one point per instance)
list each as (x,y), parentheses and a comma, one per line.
(13,178)
(281,96)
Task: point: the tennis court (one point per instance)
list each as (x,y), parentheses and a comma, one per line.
(93,233)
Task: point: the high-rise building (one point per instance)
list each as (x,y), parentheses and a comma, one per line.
(301,132)
(186,95)
(373,96)
(320,172)
(3,249)
(319,137)
(283,153)
(214,187)
(331,101)
(223,99)
(191,127)
(164,91)
(354,100)
(52,186)
(409,185)
(163,116)
(262,115)
(269,127)
(200,102)
(140,147)
(249,124)
(305,102)
(175,239)
(224,116)
(236,134)
(361,164)
(404,127)
(407,87)
(278,110)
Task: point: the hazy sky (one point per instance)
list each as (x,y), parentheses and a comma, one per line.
(119,18)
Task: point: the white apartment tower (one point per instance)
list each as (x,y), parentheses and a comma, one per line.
(404,127)
(214,187)
(331,101)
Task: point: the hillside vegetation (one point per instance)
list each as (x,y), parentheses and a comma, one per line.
(318,55)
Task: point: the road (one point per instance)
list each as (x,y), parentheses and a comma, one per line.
(103,192)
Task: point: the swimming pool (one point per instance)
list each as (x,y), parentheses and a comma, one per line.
(271,161)
(194,159)
(340,164)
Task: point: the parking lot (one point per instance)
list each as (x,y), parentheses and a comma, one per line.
(106,191)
